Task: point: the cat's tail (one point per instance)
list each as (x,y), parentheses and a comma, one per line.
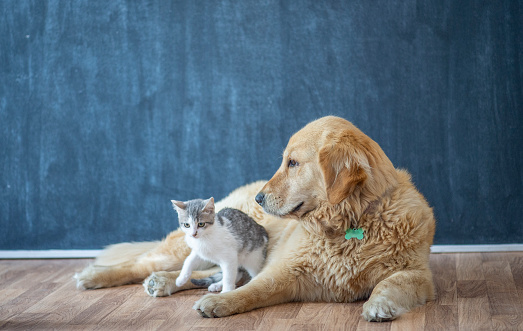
(241,278)
(206,282)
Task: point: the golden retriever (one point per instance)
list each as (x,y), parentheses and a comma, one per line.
(333,178)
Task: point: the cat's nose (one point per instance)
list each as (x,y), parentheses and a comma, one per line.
(259,198)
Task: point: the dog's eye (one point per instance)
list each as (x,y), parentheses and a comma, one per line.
(292,163)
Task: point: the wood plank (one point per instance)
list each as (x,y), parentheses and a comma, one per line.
(313,313)
(275,324)
(135,311)
(317,316)
(66,298)
(285,311)
(498,275)
(344,316)
(363,325)
(444,274)
(183,317)
(25,300)
(413,320)
(93,314)
(474,314)
(441,317)
(516,267)
(27,321)
(501,288)
(507,322)
(469,266)
(471,288)
(7,294)
(503,303)
(500,256)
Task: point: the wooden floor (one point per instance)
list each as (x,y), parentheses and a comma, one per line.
(476,291)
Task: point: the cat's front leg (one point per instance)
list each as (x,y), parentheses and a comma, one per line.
(188,266)
(230,271)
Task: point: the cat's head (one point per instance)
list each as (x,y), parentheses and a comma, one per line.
(195,216)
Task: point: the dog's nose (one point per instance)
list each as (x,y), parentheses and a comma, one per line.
(259,198)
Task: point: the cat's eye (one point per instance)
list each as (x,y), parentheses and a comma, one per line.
(186,225)
(201,224)
(292,163)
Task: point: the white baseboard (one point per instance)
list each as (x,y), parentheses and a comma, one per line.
(51,254)
(92,253)
(476,248)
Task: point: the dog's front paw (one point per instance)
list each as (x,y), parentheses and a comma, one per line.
(214,305)
(87,279)
(158,285)
(381,309)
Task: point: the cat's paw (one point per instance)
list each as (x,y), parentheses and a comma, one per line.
(87,278)
(158,285)
(215,287)
(214,305)
(182,279)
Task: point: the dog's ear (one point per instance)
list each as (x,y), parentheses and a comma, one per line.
(344,166)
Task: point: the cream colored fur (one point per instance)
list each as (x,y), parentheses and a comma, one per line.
(342,179)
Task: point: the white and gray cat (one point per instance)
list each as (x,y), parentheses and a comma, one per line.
(229,238)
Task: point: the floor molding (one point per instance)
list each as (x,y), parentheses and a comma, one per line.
(51,254)
(476,248)
(91,253)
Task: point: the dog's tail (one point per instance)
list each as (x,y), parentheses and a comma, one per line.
(206,282)
(124,252)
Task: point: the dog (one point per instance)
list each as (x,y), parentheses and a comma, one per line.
(333,181)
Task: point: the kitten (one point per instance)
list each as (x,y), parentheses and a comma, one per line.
(230,239)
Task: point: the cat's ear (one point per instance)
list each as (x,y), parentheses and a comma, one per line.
(178,205)
(209,206)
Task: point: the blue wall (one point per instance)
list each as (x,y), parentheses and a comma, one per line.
(109,109)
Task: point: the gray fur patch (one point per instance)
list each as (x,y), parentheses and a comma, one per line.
(249,234)
(206,282)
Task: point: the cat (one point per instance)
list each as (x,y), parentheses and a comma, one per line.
(229,238)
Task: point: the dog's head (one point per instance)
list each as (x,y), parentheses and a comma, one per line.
(325,163)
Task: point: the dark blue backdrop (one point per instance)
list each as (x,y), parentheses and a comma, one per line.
(109,109)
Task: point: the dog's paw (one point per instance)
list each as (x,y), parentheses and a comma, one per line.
(214,305)
(381,309)
(157,285)
(87,279)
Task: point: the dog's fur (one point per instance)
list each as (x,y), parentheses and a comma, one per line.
(338,179)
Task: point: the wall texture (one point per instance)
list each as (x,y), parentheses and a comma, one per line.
(109,109)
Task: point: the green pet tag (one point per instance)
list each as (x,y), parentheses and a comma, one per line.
(354,233)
